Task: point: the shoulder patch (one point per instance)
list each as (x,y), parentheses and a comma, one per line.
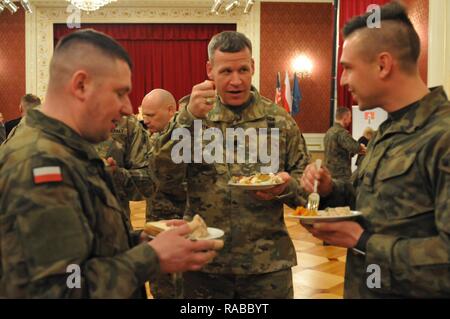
(47,174)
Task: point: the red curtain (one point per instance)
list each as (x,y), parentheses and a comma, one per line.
(347,10)
(168,56)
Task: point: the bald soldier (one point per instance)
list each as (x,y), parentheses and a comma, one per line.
(400,247)
(63,232)
(158,108)
(169,202)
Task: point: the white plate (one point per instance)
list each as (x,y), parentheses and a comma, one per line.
(313,219)
(213,234)
(253,186)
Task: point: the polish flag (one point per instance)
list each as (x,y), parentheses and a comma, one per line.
(286,94)
(47,174)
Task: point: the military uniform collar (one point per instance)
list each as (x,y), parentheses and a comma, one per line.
(62,132)
(221,113)
(419,112)
(338,125)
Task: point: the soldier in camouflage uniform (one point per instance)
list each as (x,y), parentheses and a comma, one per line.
(401,244)
(158,108)
(128,146)
(63,233)
(340,146)
(258,249)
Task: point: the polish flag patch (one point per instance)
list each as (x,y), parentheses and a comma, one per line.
(47,174)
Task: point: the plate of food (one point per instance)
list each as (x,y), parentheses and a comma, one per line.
(256,182)
(330,214)
(199,230)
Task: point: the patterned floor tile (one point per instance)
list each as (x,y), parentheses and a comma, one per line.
(317,279)
(308,260)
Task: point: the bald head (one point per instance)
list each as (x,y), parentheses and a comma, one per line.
(158,107)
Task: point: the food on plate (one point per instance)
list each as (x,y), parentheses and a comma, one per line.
(302,211)
(328,212)
(257,179)
(336,211)
(154,228)
(198,228)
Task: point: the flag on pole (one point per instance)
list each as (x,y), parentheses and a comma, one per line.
(296,96)
(286,95)
(278,90)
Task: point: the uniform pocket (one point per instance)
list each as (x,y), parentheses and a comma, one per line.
(402,189)
(111,223)
(396,168)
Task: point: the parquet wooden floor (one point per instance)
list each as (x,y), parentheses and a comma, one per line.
(320,270)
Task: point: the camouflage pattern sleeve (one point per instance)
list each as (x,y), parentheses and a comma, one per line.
(420,262)
(44,228)
(297,158)
(343,194)
(168,173)
(347,142)
(135,178)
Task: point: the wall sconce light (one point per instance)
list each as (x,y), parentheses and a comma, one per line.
(10,6)
(232,5)
(26,5)
(248,6)
(1,8)
(302,66)
(216,6)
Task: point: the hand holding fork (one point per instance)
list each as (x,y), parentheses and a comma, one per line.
(314,198)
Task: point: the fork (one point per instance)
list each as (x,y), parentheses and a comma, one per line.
(314,198)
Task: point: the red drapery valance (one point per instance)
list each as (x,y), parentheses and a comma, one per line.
(168,56)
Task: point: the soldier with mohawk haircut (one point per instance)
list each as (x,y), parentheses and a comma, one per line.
(401,246)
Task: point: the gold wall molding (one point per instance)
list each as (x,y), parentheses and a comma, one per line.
(39,27)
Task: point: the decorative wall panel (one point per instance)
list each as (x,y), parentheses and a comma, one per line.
(12,63)
(290,29)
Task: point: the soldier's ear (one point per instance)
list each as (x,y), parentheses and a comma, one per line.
(209,68)
(78,84)
(385,64)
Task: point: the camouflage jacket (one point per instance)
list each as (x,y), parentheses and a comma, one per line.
(58,208)
(256,238)
(129,147)
(168,203)
(339,149)
(403,191)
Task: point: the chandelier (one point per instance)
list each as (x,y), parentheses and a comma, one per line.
(90,5)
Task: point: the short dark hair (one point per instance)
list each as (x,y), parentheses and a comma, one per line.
(228,41)
(397,33)
(29,101)
(341,112)
(103,42)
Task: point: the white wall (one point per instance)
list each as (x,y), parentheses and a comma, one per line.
(439,44)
